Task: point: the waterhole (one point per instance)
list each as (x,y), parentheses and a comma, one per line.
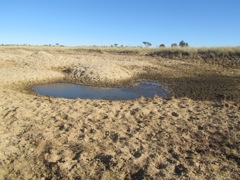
(73,91)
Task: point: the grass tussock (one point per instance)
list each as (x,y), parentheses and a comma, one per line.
(225,56)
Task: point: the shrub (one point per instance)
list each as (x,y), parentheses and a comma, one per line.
(162,45)
(183,44)
(147,44)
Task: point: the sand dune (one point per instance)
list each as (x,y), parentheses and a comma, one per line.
(193,134)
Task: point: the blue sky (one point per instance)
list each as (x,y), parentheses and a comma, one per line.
(125,22)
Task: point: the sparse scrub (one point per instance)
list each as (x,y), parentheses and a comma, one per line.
(225,56)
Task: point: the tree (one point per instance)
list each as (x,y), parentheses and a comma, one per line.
(174,45)
(183,44)
(147,44)
(57,44)
(116,45)
(162,45)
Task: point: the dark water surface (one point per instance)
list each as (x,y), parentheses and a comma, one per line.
(73,91)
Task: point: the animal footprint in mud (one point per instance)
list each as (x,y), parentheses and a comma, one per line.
(105,159)
(180,170)
(138,175)
(114,136)
(175,114)
(161,166)
(136,153)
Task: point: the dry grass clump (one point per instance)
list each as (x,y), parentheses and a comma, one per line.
(205,50)
(225,56)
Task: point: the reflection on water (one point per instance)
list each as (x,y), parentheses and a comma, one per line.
(73,91)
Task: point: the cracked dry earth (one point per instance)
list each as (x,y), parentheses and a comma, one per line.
(178,137)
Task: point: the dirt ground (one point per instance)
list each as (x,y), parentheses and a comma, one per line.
(192,134)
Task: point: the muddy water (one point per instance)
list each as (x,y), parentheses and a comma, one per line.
(73,91)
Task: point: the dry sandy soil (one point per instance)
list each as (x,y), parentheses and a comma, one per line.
(192,134)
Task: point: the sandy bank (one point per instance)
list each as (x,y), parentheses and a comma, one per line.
(194,134)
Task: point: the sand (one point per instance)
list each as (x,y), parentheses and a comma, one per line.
(192,134)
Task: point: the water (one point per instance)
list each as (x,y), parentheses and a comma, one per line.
(73,91)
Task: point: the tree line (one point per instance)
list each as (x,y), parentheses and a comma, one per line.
(181,44)
(146,44)
(57,44)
